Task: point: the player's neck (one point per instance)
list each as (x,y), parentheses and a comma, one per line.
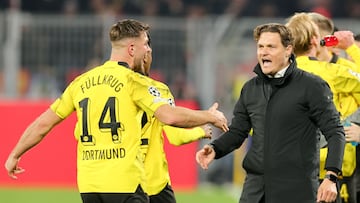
(123,58)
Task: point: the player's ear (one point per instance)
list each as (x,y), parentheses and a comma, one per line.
(131,50)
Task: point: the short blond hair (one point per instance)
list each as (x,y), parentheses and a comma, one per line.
(326,26)
(303,29)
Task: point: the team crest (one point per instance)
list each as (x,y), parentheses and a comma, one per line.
(154,91)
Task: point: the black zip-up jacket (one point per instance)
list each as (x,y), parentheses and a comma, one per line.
(285,114)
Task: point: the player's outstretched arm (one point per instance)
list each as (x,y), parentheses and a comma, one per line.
(180,136)
(187,118)
(33,134)
(221,121)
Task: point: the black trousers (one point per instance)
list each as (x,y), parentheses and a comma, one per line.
(138,197)
(165,196)
(253,194)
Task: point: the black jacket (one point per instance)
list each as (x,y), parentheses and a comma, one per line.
(285,114)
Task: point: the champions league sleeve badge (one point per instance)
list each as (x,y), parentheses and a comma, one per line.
(154,91)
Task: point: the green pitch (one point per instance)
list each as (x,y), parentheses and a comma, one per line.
(208,194)
(37,195)
(28,195)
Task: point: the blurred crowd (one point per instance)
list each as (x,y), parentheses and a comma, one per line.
(190,8)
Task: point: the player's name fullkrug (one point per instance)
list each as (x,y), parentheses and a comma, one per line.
(102,154)
(109,80)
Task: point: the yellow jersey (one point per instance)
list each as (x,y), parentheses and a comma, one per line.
(154,157)
(343,81)
(354,52)
(107,100)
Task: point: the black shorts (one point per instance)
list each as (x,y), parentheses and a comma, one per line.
(138,197)
(165,196)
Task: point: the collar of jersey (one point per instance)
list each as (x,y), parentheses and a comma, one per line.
(122,63)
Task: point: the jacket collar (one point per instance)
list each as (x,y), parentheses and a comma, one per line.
(277,81)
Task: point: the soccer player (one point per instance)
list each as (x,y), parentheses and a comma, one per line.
(108,100)
(157,180)
(346,43)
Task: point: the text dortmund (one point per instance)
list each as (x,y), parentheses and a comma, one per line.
(101,154)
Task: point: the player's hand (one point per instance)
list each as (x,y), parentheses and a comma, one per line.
(12,167)
(327,191)
(352,133)
(221,121)
(208,131)
(345,38)
(205,156)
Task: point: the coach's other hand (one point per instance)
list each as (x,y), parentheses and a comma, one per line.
(205,156)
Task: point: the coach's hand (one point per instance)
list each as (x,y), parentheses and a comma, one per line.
(205,156)
(327,191)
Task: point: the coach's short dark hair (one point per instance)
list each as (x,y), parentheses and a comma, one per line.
(284,32)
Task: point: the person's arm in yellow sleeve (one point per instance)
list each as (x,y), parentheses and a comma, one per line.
(347,43)
(354,52)
(345,80)
(180,136)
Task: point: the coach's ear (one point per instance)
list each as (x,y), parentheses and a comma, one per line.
(289,50)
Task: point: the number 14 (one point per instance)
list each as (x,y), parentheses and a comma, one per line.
(113,125)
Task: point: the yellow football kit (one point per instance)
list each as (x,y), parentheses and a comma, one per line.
(343,82)
(107,101)
(354,52)
(156,166)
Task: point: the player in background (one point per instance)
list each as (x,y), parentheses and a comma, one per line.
(346,44)
(157,181)
(341,79)
(107,100)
